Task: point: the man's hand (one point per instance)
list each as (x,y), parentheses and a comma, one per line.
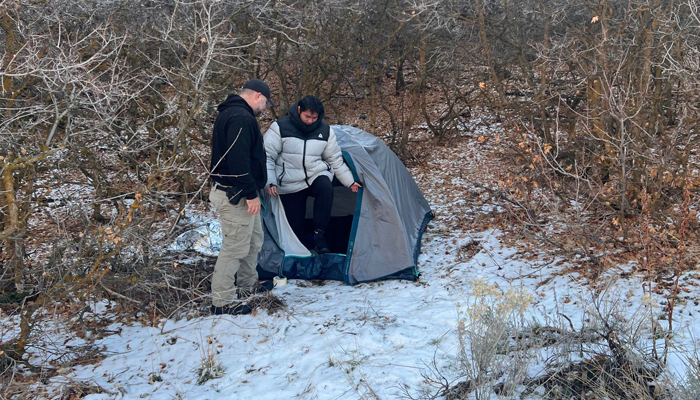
(253,206)
(272,190)
(355,187)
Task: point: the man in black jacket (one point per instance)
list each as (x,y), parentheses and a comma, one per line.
(238,170)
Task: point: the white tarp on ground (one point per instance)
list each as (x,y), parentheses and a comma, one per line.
(205,239)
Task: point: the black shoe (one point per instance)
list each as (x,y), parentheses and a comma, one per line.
(320,241)
(238,309)
(261,287)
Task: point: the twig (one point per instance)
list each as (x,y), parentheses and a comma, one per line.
(121,296)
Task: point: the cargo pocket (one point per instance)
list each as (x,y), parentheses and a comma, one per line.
(236,238)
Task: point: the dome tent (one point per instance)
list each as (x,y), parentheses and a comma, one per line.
(374,234)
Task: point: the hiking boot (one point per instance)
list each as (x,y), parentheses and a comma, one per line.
(320,241)
(261,287)
(231,309)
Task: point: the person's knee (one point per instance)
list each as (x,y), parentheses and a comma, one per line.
(323,186)
(256,244)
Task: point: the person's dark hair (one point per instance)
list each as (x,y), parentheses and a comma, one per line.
(312,103)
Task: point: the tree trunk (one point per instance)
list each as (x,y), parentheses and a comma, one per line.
(495,79)
(417,94)
(400,81)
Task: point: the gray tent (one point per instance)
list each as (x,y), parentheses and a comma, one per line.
(374,234)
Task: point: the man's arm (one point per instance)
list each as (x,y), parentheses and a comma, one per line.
(273,147)
(238,140)
(333,155)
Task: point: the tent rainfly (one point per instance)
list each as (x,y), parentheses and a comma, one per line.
(374,234)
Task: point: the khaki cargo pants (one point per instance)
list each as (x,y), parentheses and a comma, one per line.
(241,241)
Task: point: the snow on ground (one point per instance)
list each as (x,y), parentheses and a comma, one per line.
(371,340)
(334,341)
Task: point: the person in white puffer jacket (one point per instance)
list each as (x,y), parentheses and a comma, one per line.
(302,158)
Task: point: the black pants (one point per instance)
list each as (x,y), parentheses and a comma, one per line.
(295,205)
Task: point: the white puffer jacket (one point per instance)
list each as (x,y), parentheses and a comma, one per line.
(294,162)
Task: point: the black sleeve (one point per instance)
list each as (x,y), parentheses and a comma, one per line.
(241,131)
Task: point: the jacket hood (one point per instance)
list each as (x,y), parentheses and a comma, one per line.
(234,100)
(299,124)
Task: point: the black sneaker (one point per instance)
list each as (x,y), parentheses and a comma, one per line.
(231,309)
(261,287)
(320,241)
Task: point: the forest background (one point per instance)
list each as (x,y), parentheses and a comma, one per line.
(115,100)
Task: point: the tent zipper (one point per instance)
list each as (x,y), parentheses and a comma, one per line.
(303,165)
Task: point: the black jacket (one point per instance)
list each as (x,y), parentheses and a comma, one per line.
(243,166)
